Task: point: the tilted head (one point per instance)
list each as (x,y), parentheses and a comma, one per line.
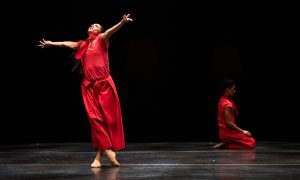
(95,29)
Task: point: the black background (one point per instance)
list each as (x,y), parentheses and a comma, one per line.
(166,64)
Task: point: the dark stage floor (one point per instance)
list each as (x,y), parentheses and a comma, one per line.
(186,160)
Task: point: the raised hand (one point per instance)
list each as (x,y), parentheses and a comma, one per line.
(126,18)
(44,43)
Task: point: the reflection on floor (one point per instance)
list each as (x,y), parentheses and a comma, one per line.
(184,160)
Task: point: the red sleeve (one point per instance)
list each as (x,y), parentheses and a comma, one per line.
(226,104)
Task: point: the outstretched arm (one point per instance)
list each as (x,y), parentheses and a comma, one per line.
(112,30)
(67,44)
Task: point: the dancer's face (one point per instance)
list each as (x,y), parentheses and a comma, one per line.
(231,91)
(95,29)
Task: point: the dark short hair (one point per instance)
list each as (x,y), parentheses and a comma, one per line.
(226,83)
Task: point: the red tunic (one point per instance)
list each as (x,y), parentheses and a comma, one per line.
(100,96)
(233,138)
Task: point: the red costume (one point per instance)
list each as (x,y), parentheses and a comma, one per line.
(100,95)
(232,138)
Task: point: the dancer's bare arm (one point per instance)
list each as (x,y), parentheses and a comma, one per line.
(112,30)
(67,44)
(231,125)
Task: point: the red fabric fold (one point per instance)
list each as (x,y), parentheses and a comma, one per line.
(84,46)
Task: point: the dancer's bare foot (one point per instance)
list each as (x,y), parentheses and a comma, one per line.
(96,164)
(97,161)
(112,158)
(219,145)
